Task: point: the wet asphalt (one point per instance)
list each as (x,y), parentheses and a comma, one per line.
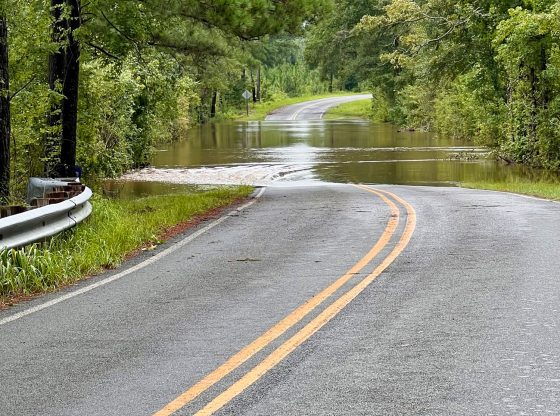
(312,110)
(464,322)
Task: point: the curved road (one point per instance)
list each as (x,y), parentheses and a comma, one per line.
(319,300)
(312,110)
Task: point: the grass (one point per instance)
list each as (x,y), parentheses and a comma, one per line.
(547,190)
(259,111)
(115,229)
(352,110)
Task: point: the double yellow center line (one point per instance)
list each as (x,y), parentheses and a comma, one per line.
(298,314)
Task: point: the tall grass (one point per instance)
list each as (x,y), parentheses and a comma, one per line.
(352,110)
(547,190)
(115,229)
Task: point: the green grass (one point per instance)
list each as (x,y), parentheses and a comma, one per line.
(115,229)
(355,109)
(545,190)
(259,111)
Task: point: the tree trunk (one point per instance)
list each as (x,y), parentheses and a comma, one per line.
(253,88)
(546,91)
(4,112)
(331,82)
(213,104)
(56,79)
(259,84)
(534,105)
(70,92)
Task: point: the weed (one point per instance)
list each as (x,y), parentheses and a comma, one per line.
(547,190)
(115,229)
(352,110)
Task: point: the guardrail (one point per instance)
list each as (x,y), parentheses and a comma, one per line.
(40,223)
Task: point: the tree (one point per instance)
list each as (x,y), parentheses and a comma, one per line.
(5,129)
(70,90)
(56,72)
(137,73)
(64,75)
(485,61)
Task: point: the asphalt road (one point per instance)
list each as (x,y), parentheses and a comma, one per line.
(313,300)
(312,110)
(465,321)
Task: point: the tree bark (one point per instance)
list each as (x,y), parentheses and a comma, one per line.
(56,80)
(70,92)
(546,92)
(4,111)
(213,104)
(259,84)
(253,88)
(534,104)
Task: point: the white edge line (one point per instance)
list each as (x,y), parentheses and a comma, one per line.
(133,269)
(293,116)
(343,100)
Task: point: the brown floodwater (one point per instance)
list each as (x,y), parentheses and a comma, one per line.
(355,151)
(333,151)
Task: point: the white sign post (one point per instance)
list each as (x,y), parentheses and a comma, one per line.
(247,94)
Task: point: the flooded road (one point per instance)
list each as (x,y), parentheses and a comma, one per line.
(322,299)
(355,151)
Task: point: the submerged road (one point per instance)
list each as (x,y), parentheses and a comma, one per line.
(318,300)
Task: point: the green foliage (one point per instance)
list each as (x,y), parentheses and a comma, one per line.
(414,106)
(484,70)
(342,55)
(109,95)
(361,109)
(115,229)
(283,69)
(527,45)
(468,108)
(291,80)
(541,189)
(148,71)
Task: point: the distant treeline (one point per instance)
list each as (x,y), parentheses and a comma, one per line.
(486,70)
(98,83)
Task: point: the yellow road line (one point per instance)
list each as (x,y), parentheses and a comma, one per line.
(290,320)
(317,323)
(295,115)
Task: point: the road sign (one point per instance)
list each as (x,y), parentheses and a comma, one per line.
(247,95)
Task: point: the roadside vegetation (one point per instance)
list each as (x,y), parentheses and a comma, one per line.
(487,71)
(546,190)
(115,229)
(100,84)
(361,109)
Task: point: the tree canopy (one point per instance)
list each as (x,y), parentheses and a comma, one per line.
(482,70)
(99,83)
